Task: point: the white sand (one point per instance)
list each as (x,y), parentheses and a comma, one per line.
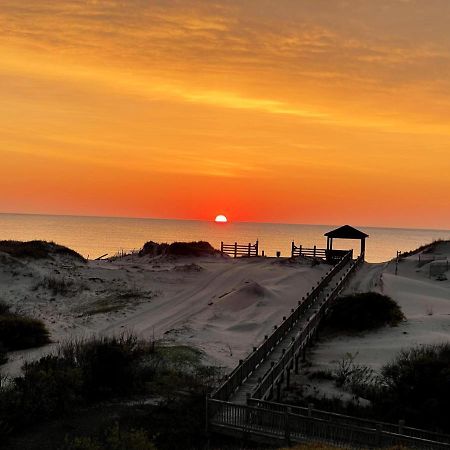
(219,305)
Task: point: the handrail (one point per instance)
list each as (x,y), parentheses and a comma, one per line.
(399,428)
(291,427)
(305,335)
(247,366)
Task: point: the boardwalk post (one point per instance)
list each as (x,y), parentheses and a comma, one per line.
(296,364)
(235,249)
(401,426)
(287,431)
(288,378)
(278,391)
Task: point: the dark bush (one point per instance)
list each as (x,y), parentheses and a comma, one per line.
(114,438)
(364,311)
(199,248)
(37,249)
(417,387)
(3,355)
(17,332)
(57,286)
(4,308)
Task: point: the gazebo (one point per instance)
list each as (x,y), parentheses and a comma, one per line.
(344,232)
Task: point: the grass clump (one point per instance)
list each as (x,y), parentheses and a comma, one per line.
(364,311)
(56,286)
(37,250)
(113,438)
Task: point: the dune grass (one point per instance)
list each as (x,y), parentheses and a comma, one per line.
(37,249)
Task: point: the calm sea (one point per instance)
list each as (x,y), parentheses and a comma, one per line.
(95,236)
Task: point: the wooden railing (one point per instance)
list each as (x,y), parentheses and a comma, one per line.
(292,352)
(399,428)
(236,249)
(259,354)
(304,251)
(246,421)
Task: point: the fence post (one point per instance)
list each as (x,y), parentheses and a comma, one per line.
(257,246)
(287,431)
(401,426)
(310,408)
(292,249)
(235,249)
(221,247)
(314,253)
(300,250)
(249,249)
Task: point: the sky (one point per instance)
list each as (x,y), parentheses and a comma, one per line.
(295,111)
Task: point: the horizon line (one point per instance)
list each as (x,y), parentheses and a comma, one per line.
(212,221)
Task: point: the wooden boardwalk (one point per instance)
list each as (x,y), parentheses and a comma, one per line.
(240,406)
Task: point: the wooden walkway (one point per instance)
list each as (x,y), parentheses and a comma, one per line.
(240,406)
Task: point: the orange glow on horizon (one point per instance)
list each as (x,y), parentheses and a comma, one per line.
(293,111)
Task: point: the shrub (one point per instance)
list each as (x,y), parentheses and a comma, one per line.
(17,332)
(364,311)
(3,356)
(199,248)
(418,387)
(113,438)
(37,249)
(4,308)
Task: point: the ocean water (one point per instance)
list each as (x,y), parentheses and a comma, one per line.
(95,236)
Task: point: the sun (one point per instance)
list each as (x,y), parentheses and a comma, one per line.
(221,219)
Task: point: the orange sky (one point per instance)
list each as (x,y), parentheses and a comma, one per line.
(286,111)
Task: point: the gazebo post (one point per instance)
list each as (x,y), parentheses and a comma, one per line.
(363,246)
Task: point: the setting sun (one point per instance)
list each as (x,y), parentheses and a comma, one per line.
(221,219)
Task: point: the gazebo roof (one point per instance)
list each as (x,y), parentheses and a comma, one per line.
(346,232)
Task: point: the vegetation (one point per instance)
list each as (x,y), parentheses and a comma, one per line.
(92,378)
(57,286)
(365,311)
(37,249)
(19,332)
(416,387)
(199,248)
(427,248)
(113,438)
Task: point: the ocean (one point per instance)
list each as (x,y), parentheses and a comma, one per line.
(96,236)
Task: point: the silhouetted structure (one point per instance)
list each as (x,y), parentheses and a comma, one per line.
(344,232)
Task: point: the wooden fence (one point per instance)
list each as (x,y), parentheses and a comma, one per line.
(399,428)
(247,366)
(248,422)
(331,256)
(304,251)
(236,249)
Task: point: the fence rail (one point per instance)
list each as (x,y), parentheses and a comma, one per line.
(399,428)
(289,426)
(291,354)
(304,251)
(236,249)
